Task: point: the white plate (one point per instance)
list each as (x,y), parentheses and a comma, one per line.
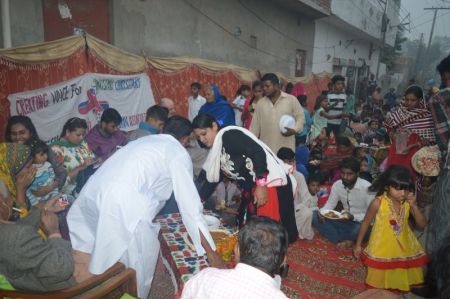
(212,221)
(286,121)
(324,211)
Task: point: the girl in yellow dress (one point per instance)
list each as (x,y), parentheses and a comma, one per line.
(394,258)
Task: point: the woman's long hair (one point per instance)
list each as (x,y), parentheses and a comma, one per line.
(72,124)
(255,84)
(23,120)
(204,121)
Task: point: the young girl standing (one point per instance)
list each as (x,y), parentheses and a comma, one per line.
(393,256)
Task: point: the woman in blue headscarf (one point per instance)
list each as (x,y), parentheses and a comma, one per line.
(217,105)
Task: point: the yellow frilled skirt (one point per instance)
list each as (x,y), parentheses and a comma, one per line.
(394,279)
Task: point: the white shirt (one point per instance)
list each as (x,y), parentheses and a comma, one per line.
(302,196)
(194,106)
(243,281)
(355,200)
(240,102)
(116,207)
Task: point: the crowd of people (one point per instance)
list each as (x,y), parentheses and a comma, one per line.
(366,174)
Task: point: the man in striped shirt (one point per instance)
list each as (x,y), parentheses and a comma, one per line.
(336,100)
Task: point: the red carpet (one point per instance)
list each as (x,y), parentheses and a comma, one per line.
(319,270)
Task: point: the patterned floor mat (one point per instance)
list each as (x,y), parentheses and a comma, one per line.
(319,270)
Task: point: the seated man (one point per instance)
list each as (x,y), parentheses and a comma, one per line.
(260,253)
(105,138)
(355,198)
(154,123)
(27,261)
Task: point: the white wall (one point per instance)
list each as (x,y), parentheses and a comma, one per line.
(332,41)
(367,15)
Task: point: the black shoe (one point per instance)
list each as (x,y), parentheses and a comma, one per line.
(425,291)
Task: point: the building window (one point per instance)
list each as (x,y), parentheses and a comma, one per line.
(300,59)
(253,41)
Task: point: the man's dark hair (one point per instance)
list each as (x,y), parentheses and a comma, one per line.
(337,78)
(350,163)
(444,66)
(178,127)
(272,78)
(157,112)
(285,153)
(196,84)
(263,243)
(111,115)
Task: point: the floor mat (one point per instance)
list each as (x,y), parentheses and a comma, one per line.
(319,270)
(162,287)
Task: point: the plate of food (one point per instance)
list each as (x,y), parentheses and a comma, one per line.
(219,234)
(331,214)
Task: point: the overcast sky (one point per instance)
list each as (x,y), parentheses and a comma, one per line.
(421,20)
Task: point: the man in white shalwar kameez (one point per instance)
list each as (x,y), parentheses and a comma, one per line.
(112,217)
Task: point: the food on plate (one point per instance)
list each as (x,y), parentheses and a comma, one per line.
(346,215)
(218,235)
(331,214)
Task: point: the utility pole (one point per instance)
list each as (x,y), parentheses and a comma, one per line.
(419,52)
(434,22)
(432,28)
(421,72)
(384,22)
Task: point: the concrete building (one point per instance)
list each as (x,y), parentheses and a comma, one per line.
(269,35)
(348,41)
